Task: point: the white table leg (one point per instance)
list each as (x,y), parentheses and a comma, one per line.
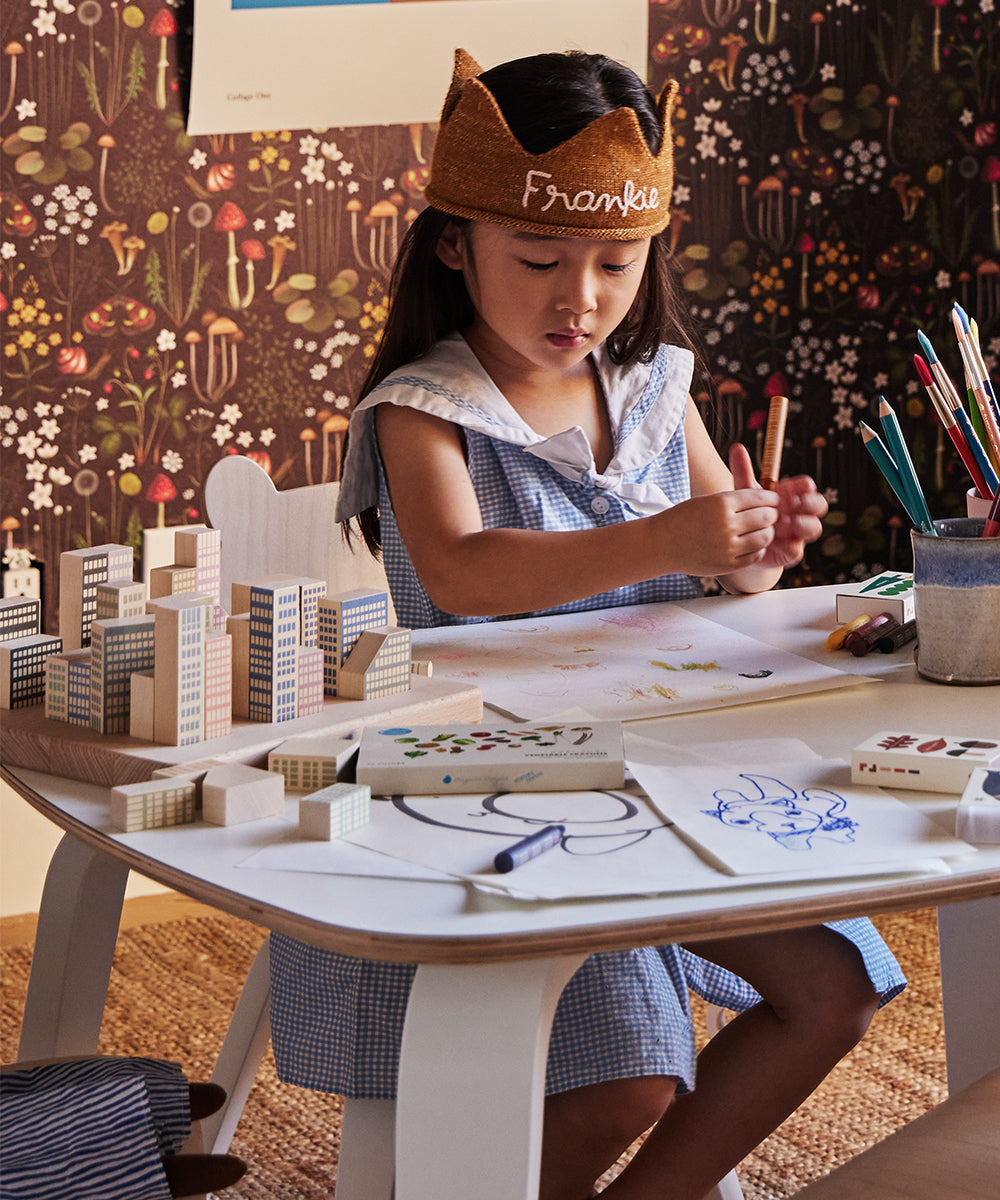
(242,1050)
(365,1165)
(969,939)
(74,949)
(471,1079)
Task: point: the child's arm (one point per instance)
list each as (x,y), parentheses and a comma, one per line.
(797,505)
(476,572)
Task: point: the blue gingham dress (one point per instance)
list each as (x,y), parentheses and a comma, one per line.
(337,1022)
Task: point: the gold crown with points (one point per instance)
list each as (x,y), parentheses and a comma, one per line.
(603,182)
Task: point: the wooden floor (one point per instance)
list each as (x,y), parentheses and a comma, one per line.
(140,910)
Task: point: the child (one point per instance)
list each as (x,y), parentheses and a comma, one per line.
(526,444)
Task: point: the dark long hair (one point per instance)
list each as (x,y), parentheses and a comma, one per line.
(545,99)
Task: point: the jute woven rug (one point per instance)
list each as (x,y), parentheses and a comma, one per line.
(175,984)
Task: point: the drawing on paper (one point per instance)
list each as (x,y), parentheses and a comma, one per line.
(794,819)
(641,661)
(597,822)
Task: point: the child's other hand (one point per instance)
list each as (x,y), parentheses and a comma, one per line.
(800,511)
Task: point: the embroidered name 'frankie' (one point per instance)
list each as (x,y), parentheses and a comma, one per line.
(630,199)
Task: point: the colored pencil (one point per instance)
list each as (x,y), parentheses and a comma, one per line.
(979,363)
(947,419)
(954,402)
(991,527)
(981,390)
(904,465)
(774,441)
(941,376)
(883,460)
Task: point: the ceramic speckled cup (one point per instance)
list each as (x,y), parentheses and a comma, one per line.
(976,506)
(956,590)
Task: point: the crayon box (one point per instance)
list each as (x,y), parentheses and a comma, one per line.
(928,762)
(890,592)
(435,759)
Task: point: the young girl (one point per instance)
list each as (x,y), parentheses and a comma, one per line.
(526,443)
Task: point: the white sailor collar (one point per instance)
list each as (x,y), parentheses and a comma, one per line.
(646,405)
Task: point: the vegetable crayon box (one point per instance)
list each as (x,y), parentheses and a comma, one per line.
(435,759)
(929,762)
(890,592)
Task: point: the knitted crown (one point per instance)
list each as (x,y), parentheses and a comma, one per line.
(603,182)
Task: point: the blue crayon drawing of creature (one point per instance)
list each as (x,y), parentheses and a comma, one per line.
(795,820)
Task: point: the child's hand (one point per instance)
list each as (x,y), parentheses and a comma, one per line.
(800,511)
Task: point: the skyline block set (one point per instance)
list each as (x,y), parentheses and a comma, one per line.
(224,793)
(173,667)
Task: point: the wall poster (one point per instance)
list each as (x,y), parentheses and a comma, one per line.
(266,64)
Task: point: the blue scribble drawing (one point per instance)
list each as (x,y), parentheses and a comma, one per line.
(793,819)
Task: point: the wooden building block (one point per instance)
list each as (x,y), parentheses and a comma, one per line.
(153,804)
(235,793)
(173,580)
(22,669)
(193,771)
(120,598)
(334,811)
(140,717)
(238,628)
(67,687)
(311,763)
(80,571)
(20,616)
(379,665)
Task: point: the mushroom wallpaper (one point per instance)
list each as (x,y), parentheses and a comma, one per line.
(167,299)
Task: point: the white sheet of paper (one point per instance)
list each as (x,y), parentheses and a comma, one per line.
(639,748)
(793,817)
(648,660)
(336,857)
(616,845)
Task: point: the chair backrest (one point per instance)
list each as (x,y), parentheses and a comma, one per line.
(267,532)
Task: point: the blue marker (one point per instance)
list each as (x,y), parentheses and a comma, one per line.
(529,848)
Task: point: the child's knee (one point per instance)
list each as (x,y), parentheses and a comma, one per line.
(839,998)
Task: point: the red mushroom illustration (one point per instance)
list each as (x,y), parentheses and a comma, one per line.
(18,219)
(160,492)
(163,25)
(229,218)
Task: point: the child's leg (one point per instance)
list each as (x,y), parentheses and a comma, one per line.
(818,1001)
(586,1129)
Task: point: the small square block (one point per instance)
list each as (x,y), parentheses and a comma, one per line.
(335,811)
(977,818)
(235,793)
